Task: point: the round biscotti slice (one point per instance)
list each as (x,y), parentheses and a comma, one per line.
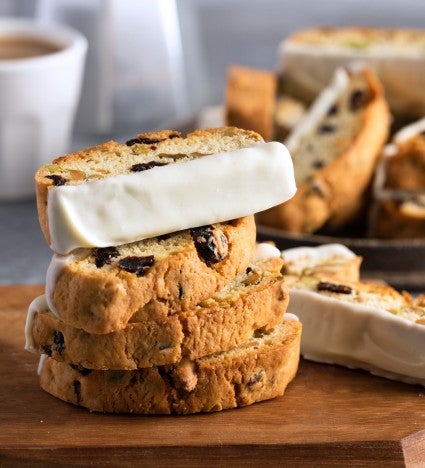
(361,325)
(308,59)
(159,183)
(99,290)
(258,370)
(252,302)
(334,149)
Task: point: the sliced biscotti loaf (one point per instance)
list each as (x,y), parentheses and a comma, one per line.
(258,370)
(308,58)
(334,150)
(99,290)
(254,301)
(399,188)
(159,183)
(361,325)
(334,262)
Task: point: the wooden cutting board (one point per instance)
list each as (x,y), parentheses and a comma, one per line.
(329,416)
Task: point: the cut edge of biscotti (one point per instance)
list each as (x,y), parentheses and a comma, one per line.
(159,183)
(253,302)
(100,289)
(258,370)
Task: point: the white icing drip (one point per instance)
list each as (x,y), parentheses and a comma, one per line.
(319,253)
(37,305)
(41,362)
(264,251)
(57,264)
(409,131)
(361,336)
(130,207)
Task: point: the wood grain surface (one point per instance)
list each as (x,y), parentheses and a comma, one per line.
(329,416)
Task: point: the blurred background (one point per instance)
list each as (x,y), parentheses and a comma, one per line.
(158,63)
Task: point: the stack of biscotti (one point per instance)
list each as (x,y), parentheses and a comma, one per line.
(157,300)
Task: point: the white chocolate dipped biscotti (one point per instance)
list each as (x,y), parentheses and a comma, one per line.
(158,183)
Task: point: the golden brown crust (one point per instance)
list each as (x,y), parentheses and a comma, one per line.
(258,370)
(333,196)
(256,302)
(142,148)
(102,300)
(250,99)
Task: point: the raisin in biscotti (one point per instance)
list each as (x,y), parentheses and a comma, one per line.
(334,150)
(158,183)
(99,290)
(258,370)
(253,301)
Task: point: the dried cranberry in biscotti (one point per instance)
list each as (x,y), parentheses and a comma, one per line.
(57,179)
(137,265)
(140,167)
(59,341)
(333,287)
(104,255)
(211,244)
(358,99)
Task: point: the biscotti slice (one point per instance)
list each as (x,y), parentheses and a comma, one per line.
(308,59)
(250,99)
(334,150)
(361,325)
(398,210)
(334,262)
(99,290)
(251,303)
(258,370)
(159,183)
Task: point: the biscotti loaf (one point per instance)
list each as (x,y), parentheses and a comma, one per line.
(398,210)
(308,59)
(334,150)
(333,262)
(259,369)
(361,325)
(99,290)
(254,301)
(158,183)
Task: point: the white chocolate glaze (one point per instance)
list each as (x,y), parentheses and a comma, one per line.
(37,305)
(264,251)
(130,207)
(56,265)
(359,336)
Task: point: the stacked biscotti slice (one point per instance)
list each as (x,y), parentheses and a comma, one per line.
(157,299)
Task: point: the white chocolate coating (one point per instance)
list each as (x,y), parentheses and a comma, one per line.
(264,251)
(359,336)
(130,207)
(37,305)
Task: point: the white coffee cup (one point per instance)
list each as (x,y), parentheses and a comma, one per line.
(39,94)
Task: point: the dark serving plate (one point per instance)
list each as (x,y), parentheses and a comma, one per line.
(400,263)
